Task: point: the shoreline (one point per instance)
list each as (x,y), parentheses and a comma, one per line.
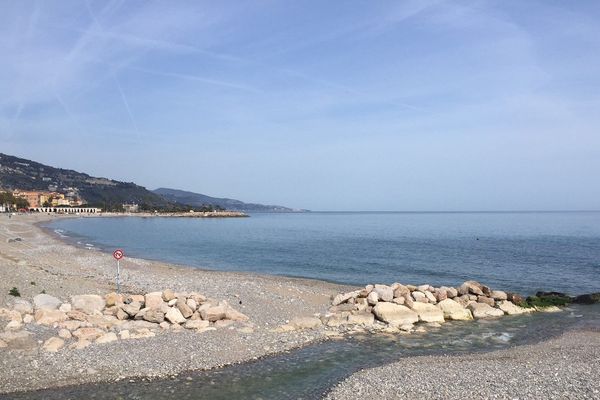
(41,251)
(62,270)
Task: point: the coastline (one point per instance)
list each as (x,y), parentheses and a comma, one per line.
(62,269)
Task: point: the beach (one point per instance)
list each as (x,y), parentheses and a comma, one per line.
(42,262)
(563,367)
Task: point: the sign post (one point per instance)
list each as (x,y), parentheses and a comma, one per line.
(118,254)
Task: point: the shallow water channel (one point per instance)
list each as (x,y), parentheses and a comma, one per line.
(310,372)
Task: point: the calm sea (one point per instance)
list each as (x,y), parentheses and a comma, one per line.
(522,252)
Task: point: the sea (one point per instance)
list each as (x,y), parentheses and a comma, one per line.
(513,251)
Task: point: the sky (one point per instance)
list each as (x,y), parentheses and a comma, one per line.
(323,105)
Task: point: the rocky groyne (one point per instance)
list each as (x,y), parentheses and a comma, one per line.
(92,319)
(401,308)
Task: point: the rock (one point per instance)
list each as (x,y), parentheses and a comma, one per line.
(487,300)
(511,309)
(13,325)
(102,321)
(440,294)
(168,295)
(65,333)
(113,299)
(454,311)
(124,334)
(305,322)
(412,288)
(140,298)
(46,316)
(428,312)
(18,340)
(515,298)
(184,309)
(395,314)
(406,327)
(234,315)
(498,295)
(372,298)
(46,302)
(165,325)
(417,295)
(174,316)
(198,298)
(65,307)
(191,303)
(107,338)
(70,325)
(386,293)
(23,306)
(335,320)
(463,300)
(77,315)
(362,318)
(483,310)
(196,324)
(132,308)
(28,318)
(3,344)
(408,300)
(549,309)
(590,298)
(88,333)
(430,297)
(122,315)
(451,292)
(53,344)
(154,315)
(80,344)
(344,297)
(471,287)
(401,290)
(214,313)
(343,307)
(423,288)
(13,315)
(153,300)
(88,303)
(399,300)
(172,302)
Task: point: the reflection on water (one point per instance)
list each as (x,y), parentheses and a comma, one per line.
(310,372)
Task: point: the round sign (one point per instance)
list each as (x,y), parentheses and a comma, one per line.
(118,254)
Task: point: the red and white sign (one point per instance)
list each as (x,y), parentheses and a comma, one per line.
(118,254)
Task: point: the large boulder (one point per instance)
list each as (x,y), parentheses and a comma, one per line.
(213,313)
(361,318)
(23,306)
(511,309)
(498,295)
(428,312)
(174,316)
(49,317)
(473,287)
(482,310)
(153,300)
(372,298)
(344,297)
(590,298)
(385,292)
(44,301)
(88,303)
(454,311)
(394,314)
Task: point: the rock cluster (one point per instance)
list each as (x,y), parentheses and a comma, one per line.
(92,318)
(398,307)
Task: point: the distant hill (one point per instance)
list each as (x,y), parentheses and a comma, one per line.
(197,199)
(19,173)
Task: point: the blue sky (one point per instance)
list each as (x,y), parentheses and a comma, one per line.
(355,105)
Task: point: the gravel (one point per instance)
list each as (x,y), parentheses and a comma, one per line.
(567,367)
(40,262)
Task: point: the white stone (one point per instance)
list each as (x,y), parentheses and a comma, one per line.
(372,298)
(65,307)
(23,306)
(107,338)
(395,314)
(454,311)
(65,333)
(53,344)
(174,316)
(44,301)
(196,324)
(482,310)
(88,303)
(428,312)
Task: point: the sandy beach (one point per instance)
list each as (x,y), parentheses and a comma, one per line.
(41,262)
(564,367)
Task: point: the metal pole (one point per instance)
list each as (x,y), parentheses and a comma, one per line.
(118,277)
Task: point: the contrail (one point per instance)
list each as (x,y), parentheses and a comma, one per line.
(127,108)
